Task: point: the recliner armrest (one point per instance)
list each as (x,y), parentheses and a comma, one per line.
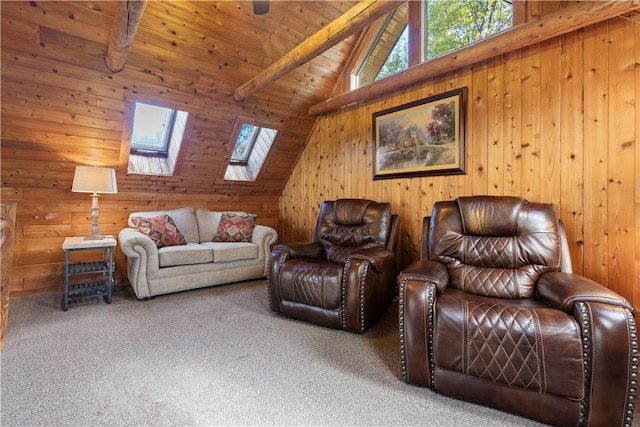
(381,259)
(427,271)
(563,290)
(301,250)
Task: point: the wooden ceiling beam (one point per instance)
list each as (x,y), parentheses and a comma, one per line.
(555,24)
(355,19)
(123,31)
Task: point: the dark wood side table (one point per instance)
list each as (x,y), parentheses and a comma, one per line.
(102,269)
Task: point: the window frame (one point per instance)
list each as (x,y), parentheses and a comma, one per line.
(251,144)
(380,32)
(146,150)
(423,31)
(416,46)
(250,170)
(138,162)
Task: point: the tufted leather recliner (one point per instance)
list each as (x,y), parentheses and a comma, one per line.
(492,314)
(345,278)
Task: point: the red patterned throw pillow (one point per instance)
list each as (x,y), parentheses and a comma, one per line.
(235,228)
(161,229)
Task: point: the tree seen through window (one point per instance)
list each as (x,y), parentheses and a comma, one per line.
(454,24)
(449,25)
(244,143)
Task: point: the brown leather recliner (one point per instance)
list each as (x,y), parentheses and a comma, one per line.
(493,315)
(345,278)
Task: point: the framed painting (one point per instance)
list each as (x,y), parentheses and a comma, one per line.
(421,138)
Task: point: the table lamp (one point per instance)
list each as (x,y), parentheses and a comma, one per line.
(94,180)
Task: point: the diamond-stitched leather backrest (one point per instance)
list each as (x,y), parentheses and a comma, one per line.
(352,223)
(495,245)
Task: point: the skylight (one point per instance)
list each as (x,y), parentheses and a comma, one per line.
(252,143)
(155,138)
(244,143)
(152,127)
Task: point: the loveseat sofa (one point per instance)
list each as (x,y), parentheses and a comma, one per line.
(180,249)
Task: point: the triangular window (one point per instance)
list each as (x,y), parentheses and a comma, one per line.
(388,53)
(398,58)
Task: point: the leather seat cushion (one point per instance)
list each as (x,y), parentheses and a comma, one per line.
(521,343)
(317,284)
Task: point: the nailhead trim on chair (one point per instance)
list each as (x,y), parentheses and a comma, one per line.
(363,276)
(284,256)
(347,266)
(633,383)
(431,308)
(585,332)
(585,323)
(268,286)
(403,360)
(431,302)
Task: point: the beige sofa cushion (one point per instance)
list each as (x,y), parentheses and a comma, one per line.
(184,218)
(232,251)
(191,253)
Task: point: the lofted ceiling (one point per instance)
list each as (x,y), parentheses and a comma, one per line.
(62,106)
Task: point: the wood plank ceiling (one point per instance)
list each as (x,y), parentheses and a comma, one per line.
(62,106)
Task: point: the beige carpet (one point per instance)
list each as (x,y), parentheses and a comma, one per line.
(214,356)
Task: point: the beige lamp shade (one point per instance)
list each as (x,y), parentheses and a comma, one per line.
(92,179)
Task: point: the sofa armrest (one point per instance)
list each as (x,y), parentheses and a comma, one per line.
(609,339)
(563,290)
(142,259)
(381,259)
(301,250)
(368,287)
(129,238)
(431,272)
(264,237)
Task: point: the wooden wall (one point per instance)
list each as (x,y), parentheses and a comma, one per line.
(555,122)
(45,217)
(61,107)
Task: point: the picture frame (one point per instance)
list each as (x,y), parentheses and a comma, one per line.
(421,138)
